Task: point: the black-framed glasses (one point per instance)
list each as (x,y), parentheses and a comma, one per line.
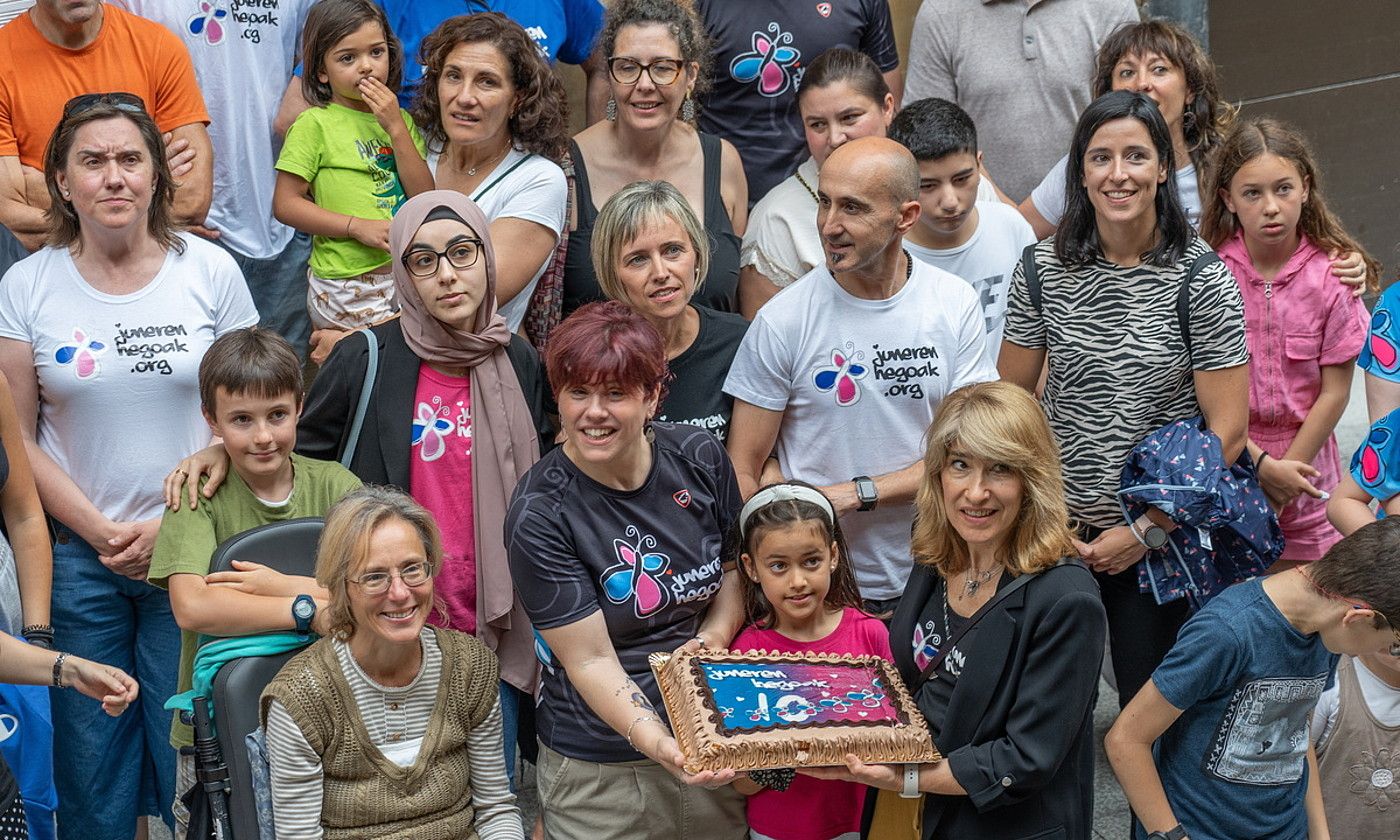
(423,261)
(377,583)
(627,71)
(121,100)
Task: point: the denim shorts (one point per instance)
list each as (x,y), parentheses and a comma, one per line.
(109,771)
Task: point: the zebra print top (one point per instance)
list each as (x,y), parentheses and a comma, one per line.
(1119,367)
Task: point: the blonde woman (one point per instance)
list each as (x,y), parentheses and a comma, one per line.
(651,253)
(999,634)
(387,723)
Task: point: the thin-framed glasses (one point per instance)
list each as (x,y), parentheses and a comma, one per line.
(423,261)
(626,71)
(121,100)
(377,583)
(1360,605)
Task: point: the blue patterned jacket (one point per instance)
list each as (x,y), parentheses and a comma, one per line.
(1228,532)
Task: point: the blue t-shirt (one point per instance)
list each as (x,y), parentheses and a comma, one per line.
(1381,354)
(564,30)
(1234,765)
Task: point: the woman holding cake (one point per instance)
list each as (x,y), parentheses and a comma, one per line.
(999,635)
(616,540)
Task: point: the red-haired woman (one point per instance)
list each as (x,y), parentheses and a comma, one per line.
(616,544)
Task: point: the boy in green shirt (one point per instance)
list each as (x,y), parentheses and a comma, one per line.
(250,388)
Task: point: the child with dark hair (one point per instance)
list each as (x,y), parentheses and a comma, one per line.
(977,240)
(1216,744)
(250,386)
(347,164)
(800,596)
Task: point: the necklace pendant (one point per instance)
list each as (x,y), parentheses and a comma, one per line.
(970,588)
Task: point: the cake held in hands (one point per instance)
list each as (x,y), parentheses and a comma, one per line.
(759,710)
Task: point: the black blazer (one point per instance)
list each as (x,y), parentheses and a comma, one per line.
(381,455)
(1018,731)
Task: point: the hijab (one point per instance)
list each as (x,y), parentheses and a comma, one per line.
(505,445)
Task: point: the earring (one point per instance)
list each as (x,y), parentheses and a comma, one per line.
(688,109)
(610,113)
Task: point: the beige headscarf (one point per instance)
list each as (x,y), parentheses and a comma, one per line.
(505,445)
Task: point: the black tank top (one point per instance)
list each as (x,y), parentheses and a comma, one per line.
(720,289)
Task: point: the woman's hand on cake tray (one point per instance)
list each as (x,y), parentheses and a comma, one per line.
(884,776)
(669,755)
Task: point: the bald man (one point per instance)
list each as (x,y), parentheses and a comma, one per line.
(842,371)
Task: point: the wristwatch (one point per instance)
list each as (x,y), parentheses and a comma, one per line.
(1174,833)
(866,492)
(303,610)
(911,782)
(1152,535)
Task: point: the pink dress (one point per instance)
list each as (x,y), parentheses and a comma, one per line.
(1298,322)
(814,809)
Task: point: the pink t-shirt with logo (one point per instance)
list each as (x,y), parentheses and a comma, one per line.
(814,809)
(440,479)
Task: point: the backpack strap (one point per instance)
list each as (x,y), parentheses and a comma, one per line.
(1183,295)
(1032,275)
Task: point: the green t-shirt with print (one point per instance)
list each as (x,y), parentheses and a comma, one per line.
(188,538)
(346,157)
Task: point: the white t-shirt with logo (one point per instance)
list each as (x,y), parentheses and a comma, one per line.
(522,186)
(1049,195)
(986,261)
(858,382)
(119,374)
(243,58)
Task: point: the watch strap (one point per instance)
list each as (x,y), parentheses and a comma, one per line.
(911,782)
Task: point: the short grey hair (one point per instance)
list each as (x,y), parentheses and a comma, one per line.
(622,218)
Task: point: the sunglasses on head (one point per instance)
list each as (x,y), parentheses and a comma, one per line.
(120,100)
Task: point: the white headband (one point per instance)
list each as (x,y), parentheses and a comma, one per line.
(783,493)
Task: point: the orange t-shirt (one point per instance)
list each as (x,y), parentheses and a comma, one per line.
(130,54)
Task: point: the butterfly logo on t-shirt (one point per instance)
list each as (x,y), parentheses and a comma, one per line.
(81,354)
(430,432)
(841,375)
(207,22)
(925,646)
(1378,346)
(768,62)
(635,576)
(1370,460)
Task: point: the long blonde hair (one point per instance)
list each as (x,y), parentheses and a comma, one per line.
(999,422)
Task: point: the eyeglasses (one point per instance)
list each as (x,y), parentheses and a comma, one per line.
(120,100)
(1360,605)
(424,261)
(627,71)
(377,583)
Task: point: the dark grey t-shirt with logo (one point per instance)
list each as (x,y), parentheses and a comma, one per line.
(650,560)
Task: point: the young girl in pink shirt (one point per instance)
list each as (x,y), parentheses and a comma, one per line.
(1267,220)
(800,596)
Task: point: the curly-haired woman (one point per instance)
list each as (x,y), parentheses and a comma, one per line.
(494,117)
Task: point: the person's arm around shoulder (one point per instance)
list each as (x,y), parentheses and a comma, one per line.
(1129,749)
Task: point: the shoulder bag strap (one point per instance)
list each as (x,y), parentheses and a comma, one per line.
(499,178)
(362,408)
(986,610)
